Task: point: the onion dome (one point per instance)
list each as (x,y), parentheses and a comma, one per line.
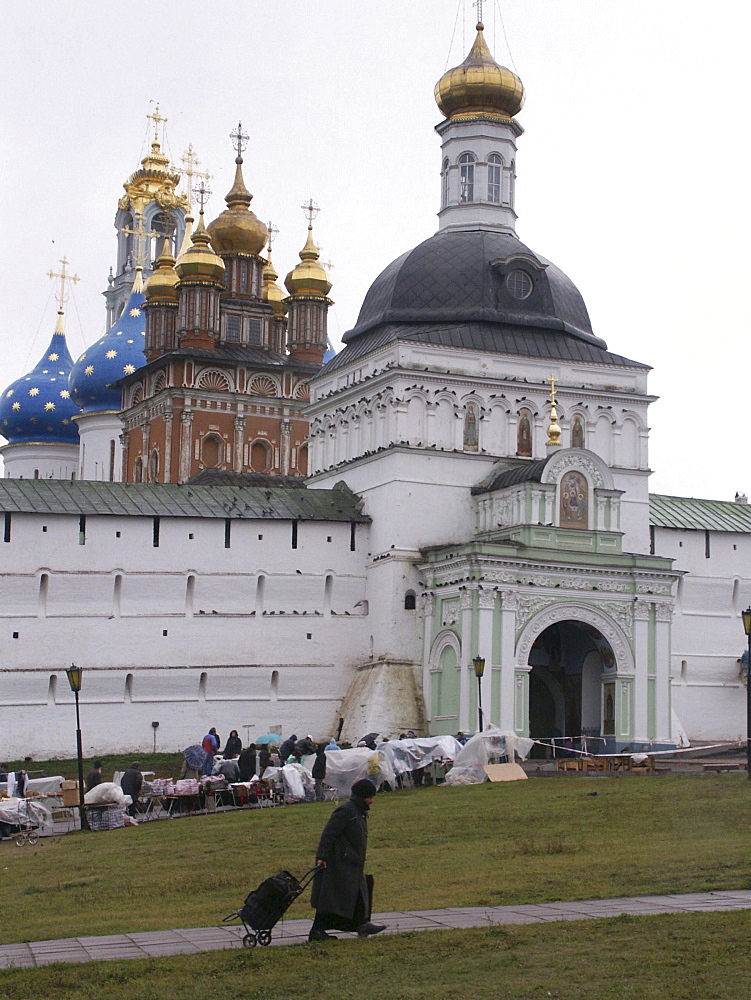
(309,277)
(38,407)
(199,263)
(237,229)
(119,352)
(272,293)
(479,86)
(161,286)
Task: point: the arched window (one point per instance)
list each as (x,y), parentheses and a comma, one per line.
(574,501)
(138,470)
(163,224)
(154,467)
(471,436)
(260,590)
(328,587)
(190,592)
(274,685)
(112,460)
(128,688)
(260,456)
(495,168)
(524,434)
(212,447)
(117,592)
(577,432)
(302,460)
(466,177)
(44,586)
(410,601)
(445,184)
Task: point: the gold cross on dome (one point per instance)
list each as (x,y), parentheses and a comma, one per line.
(141,234)
(311,210)
(202,192)
(156,118)
(239,138)
(552,379)
(189,171)
(273,232)
(63,276)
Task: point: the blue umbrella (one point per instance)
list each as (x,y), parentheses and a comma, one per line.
(195,757)
(268,738)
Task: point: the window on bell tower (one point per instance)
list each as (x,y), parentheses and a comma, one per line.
(445,184)
(466,177)
(495,166)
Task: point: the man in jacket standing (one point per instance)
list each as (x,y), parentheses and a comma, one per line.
(130,783)
(340,892)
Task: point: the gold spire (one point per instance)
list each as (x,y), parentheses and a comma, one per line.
(237,229)
(554,431)
(154,180)
(309,277)
(479,87)
(272,293)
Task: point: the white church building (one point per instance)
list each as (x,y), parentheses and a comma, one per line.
(477,486)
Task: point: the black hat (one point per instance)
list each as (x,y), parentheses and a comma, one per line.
(364,789)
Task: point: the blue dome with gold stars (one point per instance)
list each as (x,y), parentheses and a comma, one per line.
(37,408)
(119,352)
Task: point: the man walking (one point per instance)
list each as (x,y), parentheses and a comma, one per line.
(340,892)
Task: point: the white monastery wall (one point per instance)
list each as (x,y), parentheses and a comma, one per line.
(708,689)
(271,634)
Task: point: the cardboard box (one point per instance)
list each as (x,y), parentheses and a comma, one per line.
(70,793)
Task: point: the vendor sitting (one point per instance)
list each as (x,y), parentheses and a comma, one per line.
(230,769)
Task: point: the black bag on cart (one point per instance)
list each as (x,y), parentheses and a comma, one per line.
(267,904)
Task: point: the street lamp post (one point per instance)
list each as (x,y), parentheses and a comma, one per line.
(479,664)
(746,616)
(74,679)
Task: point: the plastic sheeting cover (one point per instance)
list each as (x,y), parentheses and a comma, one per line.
(24,813)
(345,767)
(484,748)
(106,793)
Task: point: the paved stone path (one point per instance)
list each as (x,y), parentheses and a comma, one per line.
(150,944)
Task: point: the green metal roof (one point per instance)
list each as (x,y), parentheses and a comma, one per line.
(698,515)
(61,496)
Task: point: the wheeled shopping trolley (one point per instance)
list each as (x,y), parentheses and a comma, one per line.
(265,906)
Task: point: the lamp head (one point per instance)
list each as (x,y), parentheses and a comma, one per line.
(746,616)
(74,677)
(479,664)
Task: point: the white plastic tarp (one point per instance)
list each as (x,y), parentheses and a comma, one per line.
(298,783)
(411,755)
(106,793)
(345,767)
(487,747)
(25,813)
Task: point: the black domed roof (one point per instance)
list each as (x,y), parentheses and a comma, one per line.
(464,276)
(480,290)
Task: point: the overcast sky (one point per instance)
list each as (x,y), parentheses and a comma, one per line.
(632,172)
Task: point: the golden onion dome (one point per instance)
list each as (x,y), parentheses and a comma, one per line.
(199,262)
(272,293)
(161,285)
(479,86)
(237,229)
(309,277)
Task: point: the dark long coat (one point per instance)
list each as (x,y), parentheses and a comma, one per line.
(341,885)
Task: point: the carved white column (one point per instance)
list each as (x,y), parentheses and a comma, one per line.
(186,444)
(641,669)
(486,601)
(465,663)
(237,450)
(662,673)
(285,445)
(508,659)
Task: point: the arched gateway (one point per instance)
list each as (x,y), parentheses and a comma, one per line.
(573,655)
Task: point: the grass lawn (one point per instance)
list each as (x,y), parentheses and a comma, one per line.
(522,842)
(691,957)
